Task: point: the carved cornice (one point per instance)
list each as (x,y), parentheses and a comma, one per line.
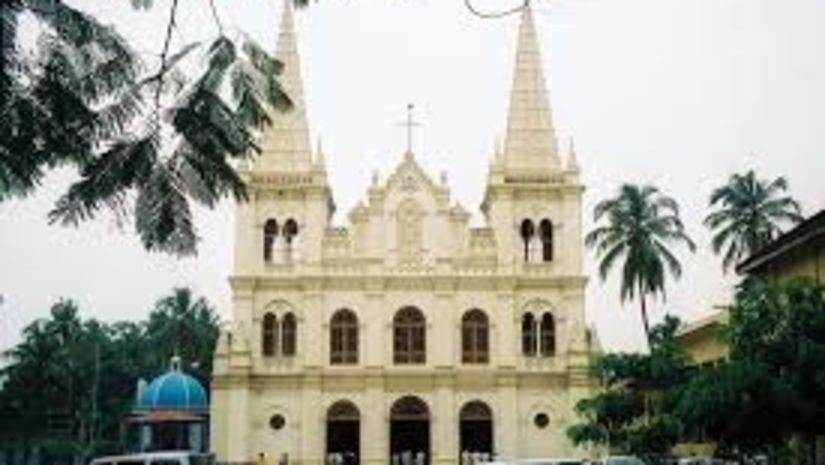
(385,282)
(379,377)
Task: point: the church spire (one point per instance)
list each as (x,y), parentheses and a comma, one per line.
(531,141)
(286,143)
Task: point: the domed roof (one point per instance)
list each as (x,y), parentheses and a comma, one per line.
(174,390)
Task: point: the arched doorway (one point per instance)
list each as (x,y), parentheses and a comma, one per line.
(409,431)
(475,426)
(343,433)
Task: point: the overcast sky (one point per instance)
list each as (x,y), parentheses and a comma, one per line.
(679,93)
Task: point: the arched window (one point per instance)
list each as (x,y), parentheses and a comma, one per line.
(289,335)
(475,341)
(527,232)
(548,335)
(270,233)
(409,408)
(343,338)
(269,336)
(475,426)
(409,336)
(290,231)
(343,410)
(528,335)
(546,233)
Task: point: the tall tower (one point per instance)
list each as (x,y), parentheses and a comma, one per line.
(290,201)
(533,200)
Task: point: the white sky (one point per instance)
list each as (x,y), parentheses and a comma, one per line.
(680,93)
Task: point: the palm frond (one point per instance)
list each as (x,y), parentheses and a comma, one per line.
(748,214)
(609,258)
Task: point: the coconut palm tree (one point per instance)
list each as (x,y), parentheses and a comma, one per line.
(748,213)
(640,225)
(185,325)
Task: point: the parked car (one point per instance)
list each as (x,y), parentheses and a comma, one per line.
(618,460)
(157,458)
(538,461)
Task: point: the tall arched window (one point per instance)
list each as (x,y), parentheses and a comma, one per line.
(409,336)
(546,233)
(270,233)
(528,335)
(269,335)
(548,335)
(475,341)
(289,335)
(290,231)
(343,338)
(527,232)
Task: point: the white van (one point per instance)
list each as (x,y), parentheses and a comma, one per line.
(535,462)
(157,458)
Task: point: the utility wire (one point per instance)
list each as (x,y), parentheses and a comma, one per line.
(495,14)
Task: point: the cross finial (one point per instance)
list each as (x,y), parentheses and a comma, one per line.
(410,124)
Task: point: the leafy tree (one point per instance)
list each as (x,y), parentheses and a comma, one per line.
(146,144)
(186,326)
(641,224)
(85,372)
(773,387)
(748,212)
(633,414)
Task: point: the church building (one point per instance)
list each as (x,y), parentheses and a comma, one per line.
(408,335)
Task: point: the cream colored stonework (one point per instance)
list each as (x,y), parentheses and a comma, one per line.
(406,244)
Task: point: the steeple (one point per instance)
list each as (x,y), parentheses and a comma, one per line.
(531,142)
(286,144)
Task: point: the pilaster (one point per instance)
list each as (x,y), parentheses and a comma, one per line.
(313,431)
(445,435)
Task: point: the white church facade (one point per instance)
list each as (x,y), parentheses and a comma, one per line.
(408,335)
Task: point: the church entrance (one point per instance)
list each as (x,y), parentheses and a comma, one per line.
(409,432)
(343,434)
(476,433)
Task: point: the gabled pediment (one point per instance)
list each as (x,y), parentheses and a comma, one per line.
(410,179)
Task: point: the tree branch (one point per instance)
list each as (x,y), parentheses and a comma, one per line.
(216,17)
(163,55)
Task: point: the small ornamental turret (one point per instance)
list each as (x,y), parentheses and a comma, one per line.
(572,159)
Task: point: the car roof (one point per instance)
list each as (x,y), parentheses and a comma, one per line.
(147,456)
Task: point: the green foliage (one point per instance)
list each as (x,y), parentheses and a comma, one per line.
(641,225)
(748,213)
(633,414)
(773,386)
(157,142)
(60,358)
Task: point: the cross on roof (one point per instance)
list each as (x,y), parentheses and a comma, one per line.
(410,124)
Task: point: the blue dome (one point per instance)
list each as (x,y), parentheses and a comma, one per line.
(174,390)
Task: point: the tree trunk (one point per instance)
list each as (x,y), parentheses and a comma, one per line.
(644,319)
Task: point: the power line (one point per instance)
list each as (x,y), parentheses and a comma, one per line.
(495,14)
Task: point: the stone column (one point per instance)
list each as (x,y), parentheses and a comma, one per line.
(443,341)
(313,330)
(375,445)
(371,343)
(507,345)
(237,427)
(506,425)
(312,433)
(444,421)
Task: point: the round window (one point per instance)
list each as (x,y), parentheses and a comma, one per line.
(541,420)
(277,422)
